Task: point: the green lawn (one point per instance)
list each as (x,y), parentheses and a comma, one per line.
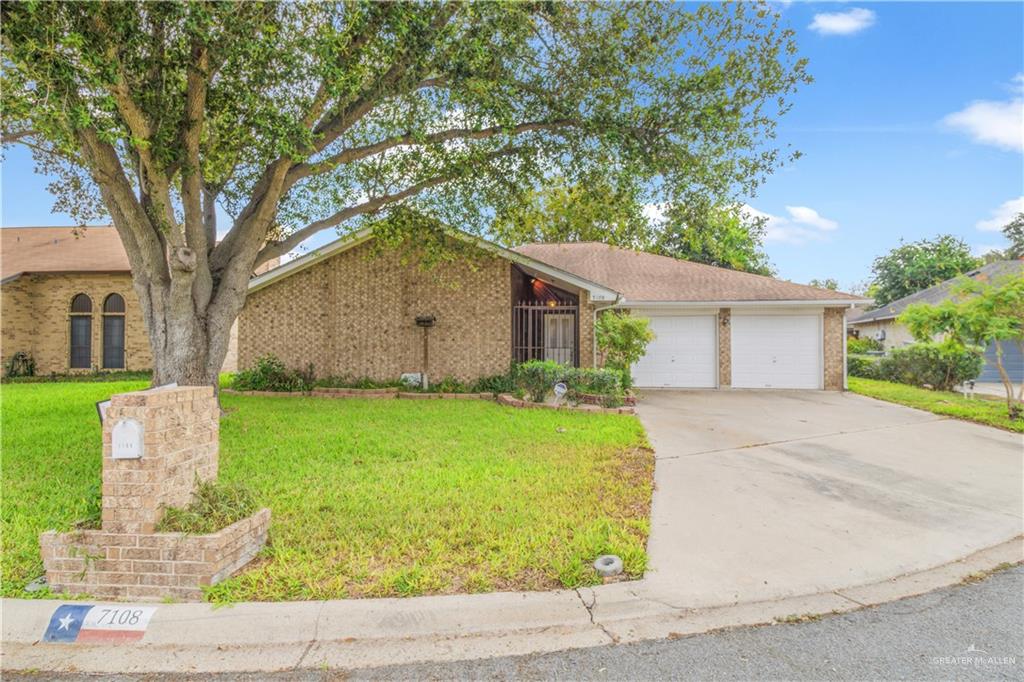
(982,410)
(369,497)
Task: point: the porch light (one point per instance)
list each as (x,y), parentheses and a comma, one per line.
(552,303)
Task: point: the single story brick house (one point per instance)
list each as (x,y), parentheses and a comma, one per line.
(348,309)
(66,298)
(880,324)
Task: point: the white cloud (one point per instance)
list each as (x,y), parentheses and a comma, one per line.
(1000,124)
(843,23)
(808,216)
(654,213)
(803,225)
(1001,215)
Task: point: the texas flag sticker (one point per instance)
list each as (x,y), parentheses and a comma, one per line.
(89,623)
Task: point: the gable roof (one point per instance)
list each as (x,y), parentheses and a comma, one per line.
(597,291)
(58,249)
(646,277)
(941,291)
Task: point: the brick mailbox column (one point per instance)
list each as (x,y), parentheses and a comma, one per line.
(180,445)
(156,445)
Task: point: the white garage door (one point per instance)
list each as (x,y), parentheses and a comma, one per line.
(776,351)
(682,355)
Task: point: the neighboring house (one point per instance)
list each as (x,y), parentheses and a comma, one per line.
(881,324)
(67,300)
(347,311)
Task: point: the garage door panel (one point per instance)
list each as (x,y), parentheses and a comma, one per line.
(682,355)
(776,351)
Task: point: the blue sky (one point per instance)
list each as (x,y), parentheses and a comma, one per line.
(914,126)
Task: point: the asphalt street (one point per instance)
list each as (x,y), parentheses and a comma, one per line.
(968,632)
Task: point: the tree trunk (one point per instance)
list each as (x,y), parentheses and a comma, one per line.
(1012,403)
(188,341)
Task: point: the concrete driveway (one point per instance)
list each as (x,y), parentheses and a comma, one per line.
(762,495)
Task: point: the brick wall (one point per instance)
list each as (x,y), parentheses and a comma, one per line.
(180,437)
(35,310)
(724,348)
(586,323)
(149,566)
(353,314)
(834,330)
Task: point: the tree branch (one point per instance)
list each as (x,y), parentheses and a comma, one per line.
(279,248)
(303,170)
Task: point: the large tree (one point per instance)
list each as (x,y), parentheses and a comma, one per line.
(723,236)
(300,117)
(912,267)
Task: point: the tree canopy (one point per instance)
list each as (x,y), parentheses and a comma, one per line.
(918,265)
(300,117)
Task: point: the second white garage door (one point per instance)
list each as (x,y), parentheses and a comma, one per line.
(776,351)
(684,353)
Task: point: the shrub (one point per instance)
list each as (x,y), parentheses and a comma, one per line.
(350,382)
(536,377)
(21,364)
(940,365)
(623,340)
(448,385)
(214,506)
(498,383)
(857,346)
(864,366)
(270,374)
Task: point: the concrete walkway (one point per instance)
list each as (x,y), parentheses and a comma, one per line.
(768,505)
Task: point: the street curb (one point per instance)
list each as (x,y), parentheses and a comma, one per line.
(366,633)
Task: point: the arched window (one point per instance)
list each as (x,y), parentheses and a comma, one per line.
(81,332)
(113,332)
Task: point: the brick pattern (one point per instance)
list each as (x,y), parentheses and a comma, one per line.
(834,329)
(180,440)
(724,348)
(35,310)
(149,566)
(586,317)
(354,315)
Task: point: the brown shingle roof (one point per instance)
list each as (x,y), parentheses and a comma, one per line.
(58,249)
(647,277)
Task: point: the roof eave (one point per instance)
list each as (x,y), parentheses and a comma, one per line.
(630,303)
(598,293)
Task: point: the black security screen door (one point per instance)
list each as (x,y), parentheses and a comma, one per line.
(113,341)
(81,341)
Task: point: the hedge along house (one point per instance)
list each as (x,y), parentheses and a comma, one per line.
(67,300)
(350,309)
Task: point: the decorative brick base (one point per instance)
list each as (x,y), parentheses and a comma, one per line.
(148,566)
(172,445)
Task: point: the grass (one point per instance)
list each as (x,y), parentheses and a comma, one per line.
(982,410)
(369,497)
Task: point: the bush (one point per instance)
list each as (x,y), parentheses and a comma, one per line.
(538,377)
(857,346)
(270,374)
(214,506)
(622,339)
(498,383)
(864,366)
(21,364)
(940,365)
(84,378)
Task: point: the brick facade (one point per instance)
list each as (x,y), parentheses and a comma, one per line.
(724,348)
(127,559)
(834,332)
(353,314)
(35,309)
